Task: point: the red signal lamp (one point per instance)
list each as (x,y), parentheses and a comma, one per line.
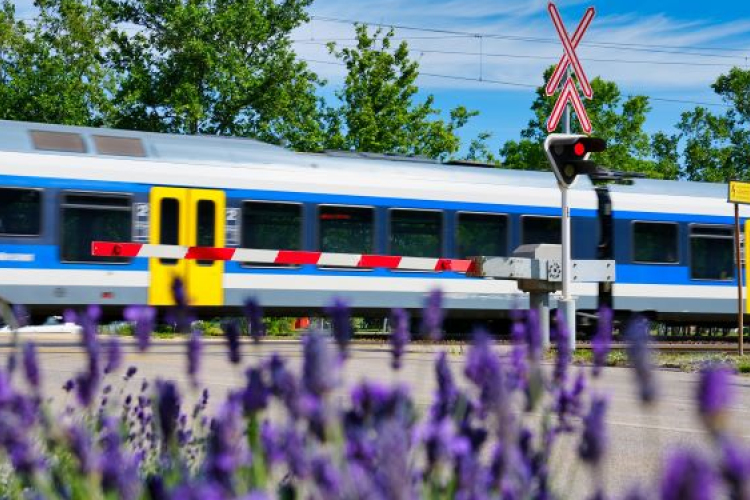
(579,149)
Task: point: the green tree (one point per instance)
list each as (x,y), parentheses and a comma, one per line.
(378,112)
(616,119)
(52,69)
(214,67)
(717,146)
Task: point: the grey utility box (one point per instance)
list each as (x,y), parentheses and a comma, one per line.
(538,271)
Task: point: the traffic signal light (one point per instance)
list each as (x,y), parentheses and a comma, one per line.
(569,155)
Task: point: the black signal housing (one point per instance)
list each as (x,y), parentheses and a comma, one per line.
(569,155)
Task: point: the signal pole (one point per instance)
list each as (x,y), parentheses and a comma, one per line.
(567,303)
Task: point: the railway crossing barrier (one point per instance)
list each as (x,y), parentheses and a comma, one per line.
(536,268)
(538,271)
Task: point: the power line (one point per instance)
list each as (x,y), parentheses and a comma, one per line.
(524,85)
(531,56)
(615,45)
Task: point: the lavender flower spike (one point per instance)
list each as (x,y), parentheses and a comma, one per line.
(114,355)
(31,365)
(687,476)
(564,354)
(399,336)
(318,369)
(168,407)
(594,437)
(232,333)
(341,324)
(602,341)
(254,315)
(714,396)
(194,349)
(432,319)
(144,319)
(639,354)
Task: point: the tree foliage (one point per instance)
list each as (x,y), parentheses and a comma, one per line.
(717,146)
(214,67)
(52,68)
(378,112)
(616,119)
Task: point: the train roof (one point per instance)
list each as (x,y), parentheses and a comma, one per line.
(41,138)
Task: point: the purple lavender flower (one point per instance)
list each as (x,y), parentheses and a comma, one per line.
(326,477)
(144,318)
(445,399)
(484,369)
(318,367)
(81,445)
(194,348)
(637,333)
(341,324)
(132,370)
(11,364)
(602,341)
(21,314)
(255,394)
(254,315)
(270,439)
(85,386)
(564,354)
(714,396)
(178,293)
(399,336)
(432,316)
(533,335)
(735,467)
(69,385)
(688,476)
(118,469)
(392,471)
(31,365)
(168,409)
(294,453)
(594,438)
(114,355)
(232,334)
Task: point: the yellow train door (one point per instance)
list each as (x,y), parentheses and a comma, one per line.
(187,217)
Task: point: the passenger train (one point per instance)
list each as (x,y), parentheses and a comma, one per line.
(63,187)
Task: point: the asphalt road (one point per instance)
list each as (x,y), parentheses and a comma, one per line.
(639,437)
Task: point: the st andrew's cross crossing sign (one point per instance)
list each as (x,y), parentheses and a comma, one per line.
(569,58)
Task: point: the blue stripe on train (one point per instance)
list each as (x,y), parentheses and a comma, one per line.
(261,195)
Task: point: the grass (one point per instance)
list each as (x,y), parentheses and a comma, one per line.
(684,361)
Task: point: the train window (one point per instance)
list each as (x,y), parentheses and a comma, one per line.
(482,234)
(169,225)
(655,242)
(206,227)
(346,229)
(58,141)
(537,229)
(88,217)
(271,226)
(20,212)
(712,253)
(416,233)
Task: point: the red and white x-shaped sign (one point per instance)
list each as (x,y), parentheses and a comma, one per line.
(569,57)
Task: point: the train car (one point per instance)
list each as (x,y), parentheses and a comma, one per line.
(63,187)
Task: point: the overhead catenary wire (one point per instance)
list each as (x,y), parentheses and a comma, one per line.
(657,48)
(529,56)
(522,85)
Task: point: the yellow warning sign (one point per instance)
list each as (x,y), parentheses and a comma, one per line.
(739,192)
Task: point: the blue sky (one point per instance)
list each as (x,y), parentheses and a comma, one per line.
(676,49)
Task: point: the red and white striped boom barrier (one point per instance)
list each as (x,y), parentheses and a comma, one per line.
(286,257)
